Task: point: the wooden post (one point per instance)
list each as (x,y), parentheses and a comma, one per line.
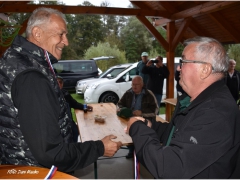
(170,65)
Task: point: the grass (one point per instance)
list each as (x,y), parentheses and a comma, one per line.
(80,99)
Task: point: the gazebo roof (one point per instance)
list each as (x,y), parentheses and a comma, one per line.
(217,19)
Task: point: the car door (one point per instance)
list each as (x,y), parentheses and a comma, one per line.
(125,81)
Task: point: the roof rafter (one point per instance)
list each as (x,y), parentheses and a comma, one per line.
(85,10)
(225,26)
(180,32)
(154,32)
(205,8)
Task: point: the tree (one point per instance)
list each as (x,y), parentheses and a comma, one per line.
(234,53)
(136,39)
(104,49)
(131,50)
(84,31)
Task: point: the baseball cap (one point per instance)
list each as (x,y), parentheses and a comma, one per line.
(144,54)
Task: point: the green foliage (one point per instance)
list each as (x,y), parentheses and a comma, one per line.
(104,49)
(234,53)
(136,39)
(154,53)
(131,49)
(157,47)
(83,32)
(78,98)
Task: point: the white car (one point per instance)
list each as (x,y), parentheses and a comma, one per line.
(111,73)
(110,89)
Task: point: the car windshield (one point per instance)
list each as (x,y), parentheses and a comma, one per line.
(112,73)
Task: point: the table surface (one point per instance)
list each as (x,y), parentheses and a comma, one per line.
(92,130)
(172,101)
(29,172)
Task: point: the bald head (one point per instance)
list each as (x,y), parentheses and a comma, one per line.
(137,84)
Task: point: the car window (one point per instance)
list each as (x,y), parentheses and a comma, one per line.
(112,73)
(131,73)
(82,67)
(61,68)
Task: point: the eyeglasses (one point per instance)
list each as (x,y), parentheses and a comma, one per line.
(181,62)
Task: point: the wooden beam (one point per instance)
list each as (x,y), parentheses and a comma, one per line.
(206,8)
(141,5)
(169,7)
(154,32)
(170,65)
(161,21)
(28,8)
(180,32)
(197,29)
(225,26)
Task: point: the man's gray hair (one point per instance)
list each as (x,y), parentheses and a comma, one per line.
(41,17)
(232,60)
(210,50)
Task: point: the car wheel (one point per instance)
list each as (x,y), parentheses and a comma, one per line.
(109,97)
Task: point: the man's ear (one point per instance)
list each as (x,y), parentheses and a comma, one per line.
(37,33)
(206,70)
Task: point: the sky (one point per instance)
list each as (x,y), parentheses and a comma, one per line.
(113,3)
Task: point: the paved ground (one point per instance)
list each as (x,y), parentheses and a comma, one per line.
(115,168)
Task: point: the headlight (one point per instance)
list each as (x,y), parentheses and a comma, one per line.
(81,83)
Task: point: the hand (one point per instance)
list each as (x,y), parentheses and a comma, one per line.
(178,68)
(137,113)
(110,147)
(133,120)
(89,108)
(160,63)
(149,63)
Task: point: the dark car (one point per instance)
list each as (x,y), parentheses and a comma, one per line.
(73,70)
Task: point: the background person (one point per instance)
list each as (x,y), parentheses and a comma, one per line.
(140,66)
(72,103)
(233,80)
(202,140)
(35,129)
(157,73)
(179,89)
(142,102)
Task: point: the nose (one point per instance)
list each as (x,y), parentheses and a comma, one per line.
(65,40)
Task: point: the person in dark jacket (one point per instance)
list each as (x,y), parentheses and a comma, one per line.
(233,80)
(179,88)
(71,103)
(202,140)
(142,63)
(35,129)
(157,73)
(141,101)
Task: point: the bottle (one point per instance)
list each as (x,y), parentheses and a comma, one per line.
(85,108)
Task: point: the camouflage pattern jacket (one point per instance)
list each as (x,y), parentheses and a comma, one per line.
(24,56)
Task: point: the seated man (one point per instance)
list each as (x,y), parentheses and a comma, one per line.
(141,101)
(72,103)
